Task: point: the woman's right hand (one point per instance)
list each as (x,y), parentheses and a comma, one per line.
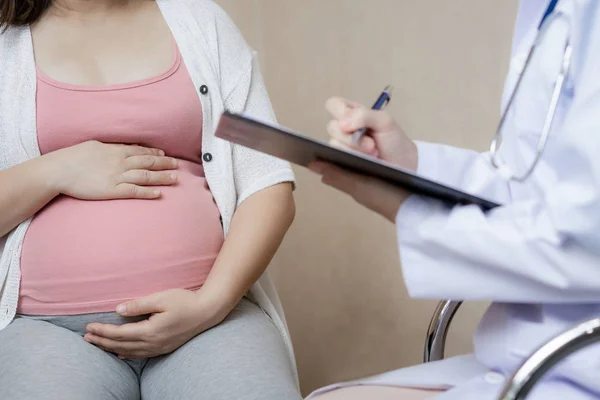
(98,171)
(384,139)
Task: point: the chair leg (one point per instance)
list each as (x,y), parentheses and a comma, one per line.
(437,332)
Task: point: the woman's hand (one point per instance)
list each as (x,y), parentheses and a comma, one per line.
(176,316)
(100,171)
(385,140)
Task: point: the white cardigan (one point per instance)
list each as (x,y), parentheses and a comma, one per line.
(224,71)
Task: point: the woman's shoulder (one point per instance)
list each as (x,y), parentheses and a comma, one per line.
(209,6)
(209,15)
(216,25)
(11,40)
(223,38)
(8,33)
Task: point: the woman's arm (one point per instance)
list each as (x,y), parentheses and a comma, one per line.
(89,171)
(26,188)
(263,184)
(257,229)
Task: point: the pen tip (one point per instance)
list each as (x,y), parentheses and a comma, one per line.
(389,89)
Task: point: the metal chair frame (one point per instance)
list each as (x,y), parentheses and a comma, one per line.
(520,384)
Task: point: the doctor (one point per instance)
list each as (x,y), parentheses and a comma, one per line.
(538,256)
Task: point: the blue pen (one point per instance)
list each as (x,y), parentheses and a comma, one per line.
(380,104)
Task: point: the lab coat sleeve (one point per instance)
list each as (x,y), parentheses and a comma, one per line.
(542,250)
(462,169)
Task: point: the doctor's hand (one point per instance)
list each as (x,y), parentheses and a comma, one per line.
(384,138)
(376,195)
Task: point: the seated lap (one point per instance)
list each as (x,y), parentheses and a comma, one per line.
(243,358)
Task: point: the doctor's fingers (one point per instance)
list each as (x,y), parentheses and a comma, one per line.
(340,179)
(354,116)
(340,108)
(378,196)
(366,144)
(376,121)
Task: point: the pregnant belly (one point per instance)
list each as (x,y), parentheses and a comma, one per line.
(83,257)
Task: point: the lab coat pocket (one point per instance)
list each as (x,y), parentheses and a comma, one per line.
(491,340)
(529,331)
(536,325)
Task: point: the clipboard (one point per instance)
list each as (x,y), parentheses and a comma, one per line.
(301,150)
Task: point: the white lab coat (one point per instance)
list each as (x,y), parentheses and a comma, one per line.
(537,257)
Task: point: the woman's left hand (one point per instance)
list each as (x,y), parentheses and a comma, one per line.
(378,196)
(176,316)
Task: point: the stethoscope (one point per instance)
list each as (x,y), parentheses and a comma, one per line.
(502,168)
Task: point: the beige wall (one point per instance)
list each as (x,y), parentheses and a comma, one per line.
(338,271)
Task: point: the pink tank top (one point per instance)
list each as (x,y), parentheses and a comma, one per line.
(83,257)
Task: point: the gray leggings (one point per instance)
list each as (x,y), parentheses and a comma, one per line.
(243,358)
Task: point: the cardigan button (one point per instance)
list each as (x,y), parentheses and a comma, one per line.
(204,89)
(207,157)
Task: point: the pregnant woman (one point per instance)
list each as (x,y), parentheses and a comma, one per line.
(133,243)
